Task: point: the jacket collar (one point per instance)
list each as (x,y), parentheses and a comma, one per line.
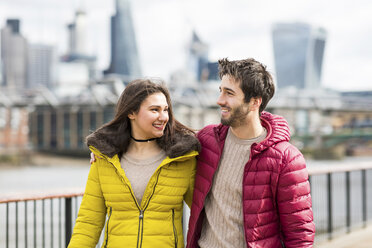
(106,140)
(277,131)
(116,161)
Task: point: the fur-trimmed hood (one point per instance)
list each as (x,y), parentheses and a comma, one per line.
(180,145)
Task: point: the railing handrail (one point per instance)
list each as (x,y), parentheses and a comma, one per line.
(72,192)
(317,170)
(32,196)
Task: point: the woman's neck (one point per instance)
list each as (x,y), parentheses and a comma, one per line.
(143,149)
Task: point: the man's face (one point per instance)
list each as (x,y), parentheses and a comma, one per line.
(234,110)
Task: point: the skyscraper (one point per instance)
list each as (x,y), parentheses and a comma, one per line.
(298,54)
(124,54)
(40,66)
(77,34)
(13,55)
(77,49)
(198,56)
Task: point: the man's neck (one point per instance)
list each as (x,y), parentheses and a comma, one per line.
(251,129)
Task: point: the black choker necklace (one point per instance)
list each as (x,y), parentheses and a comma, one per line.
(140,140)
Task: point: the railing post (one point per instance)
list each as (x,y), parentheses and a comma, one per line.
(364,197)
(330,216)
(348,202)
(16,224)
(68,219)
(26,244)
(7,225)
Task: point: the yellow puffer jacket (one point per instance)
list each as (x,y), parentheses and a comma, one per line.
(109,202)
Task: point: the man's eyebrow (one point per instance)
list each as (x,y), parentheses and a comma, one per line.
(227,89)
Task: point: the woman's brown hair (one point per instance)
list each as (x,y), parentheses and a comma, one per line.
(129,102)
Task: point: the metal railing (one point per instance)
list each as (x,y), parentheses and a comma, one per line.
(342,201)
(342,198)
(48,226)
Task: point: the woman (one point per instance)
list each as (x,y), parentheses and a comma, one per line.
(145,171)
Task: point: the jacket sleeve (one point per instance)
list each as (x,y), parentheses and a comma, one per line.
(294,201)
(189,193)
(92,213)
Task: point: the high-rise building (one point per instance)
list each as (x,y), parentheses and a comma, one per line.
(13,55)
(298,54)
(198,57)
(77,34)
(124,54)
(40,66)
(77,50)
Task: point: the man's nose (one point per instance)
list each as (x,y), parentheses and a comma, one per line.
(220,100)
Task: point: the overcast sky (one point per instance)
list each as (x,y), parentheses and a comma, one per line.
(232,28)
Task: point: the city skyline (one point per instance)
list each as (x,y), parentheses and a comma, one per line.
(235,29)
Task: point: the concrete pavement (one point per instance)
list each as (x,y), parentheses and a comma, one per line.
(361,238)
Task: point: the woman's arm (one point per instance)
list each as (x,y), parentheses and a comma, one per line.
(92,212)
(190,191)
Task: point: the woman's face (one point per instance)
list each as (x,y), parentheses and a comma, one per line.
(151,119)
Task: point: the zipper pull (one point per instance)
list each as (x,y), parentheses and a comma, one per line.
(141,214)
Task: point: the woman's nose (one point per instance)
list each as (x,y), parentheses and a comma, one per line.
(163,116)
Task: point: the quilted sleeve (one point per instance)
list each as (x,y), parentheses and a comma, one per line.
(294,201)
(189,194)
(92,212)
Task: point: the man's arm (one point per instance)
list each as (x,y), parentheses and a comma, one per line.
(294,201)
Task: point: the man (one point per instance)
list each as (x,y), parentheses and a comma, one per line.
(251,185)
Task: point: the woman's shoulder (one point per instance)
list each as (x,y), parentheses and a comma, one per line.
(181,144)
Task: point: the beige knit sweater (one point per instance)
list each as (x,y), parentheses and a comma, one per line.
(223,225)
(139,171)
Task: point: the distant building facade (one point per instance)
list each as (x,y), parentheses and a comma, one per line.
(40,66)
(77,49)
(298,55)
(14,53)
(198,62)
(124,52)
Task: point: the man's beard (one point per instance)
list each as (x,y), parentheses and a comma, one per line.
(237,117)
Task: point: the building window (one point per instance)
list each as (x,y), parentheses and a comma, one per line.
(108,114)
(80,129)
(92,121)
(53,129)
(40,130)
(66,129)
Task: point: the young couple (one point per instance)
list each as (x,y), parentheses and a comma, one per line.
(247,186)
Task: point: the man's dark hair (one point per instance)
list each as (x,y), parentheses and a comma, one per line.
(255,80)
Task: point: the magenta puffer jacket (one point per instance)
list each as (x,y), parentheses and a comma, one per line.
(276,192)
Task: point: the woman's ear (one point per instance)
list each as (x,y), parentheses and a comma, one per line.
(131,116)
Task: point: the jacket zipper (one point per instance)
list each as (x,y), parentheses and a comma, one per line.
(108,220)
(141,216)
(141,211)
(249,160)
(140,229)
(174,230)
